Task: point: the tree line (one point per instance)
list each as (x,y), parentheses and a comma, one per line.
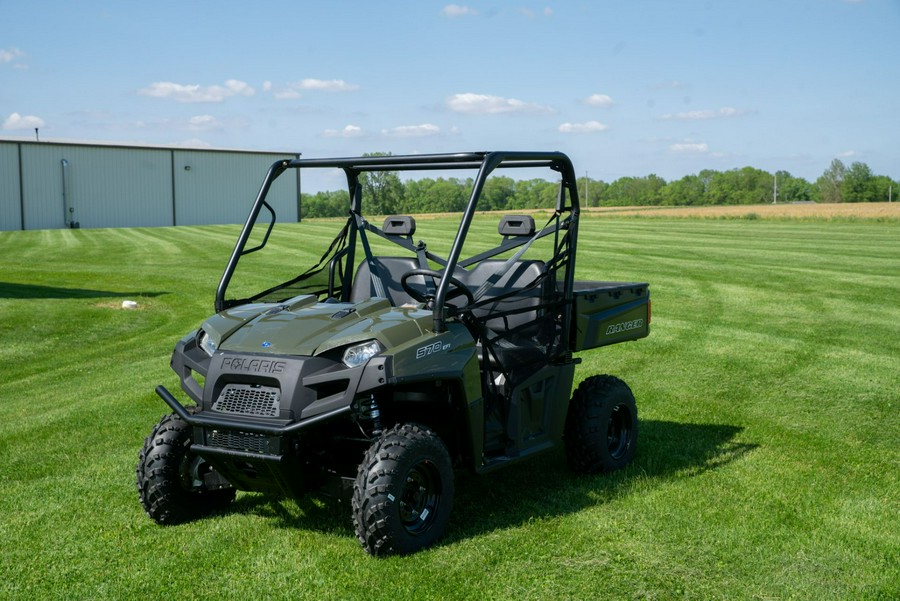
(385,193)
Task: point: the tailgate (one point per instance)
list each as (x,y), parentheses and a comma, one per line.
(609,312)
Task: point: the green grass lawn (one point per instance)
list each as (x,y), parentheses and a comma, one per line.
(767,466)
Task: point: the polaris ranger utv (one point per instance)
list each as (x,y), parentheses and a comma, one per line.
(384,363)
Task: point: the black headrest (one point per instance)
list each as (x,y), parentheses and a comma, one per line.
(516,225)
(399,225)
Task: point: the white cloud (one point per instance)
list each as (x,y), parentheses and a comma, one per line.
(197,124)
(731,112)
(848,154)
(9,55)
(601,100)
(485,104)
(690,148)
(325,85)
(204,123)
(722,113)
(17,121)
(412,131)
(349,131)
(292,90)
(452,11)
(588,127)
(239,88)
(197,93)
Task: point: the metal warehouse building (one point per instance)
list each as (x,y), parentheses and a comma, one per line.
(56,185)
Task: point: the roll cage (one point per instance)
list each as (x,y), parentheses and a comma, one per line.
(338,260)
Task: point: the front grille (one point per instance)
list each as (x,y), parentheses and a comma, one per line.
(248,399)
(239,441)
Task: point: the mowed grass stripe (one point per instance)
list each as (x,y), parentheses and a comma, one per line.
(767,466)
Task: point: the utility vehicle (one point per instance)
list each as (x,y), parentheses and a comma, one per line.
(383,362)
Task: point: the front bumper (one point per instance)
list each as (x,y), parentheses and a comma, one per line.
(251,455)
(205,420)
(257,413)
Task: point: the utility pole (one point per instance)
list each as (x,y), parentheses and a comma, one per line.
(775,190)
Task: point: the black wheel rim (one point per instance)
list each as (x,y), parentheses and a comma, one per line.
(618,434)
(420,497)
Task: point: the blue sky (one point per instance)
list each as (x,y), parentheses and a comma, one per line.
(626,88)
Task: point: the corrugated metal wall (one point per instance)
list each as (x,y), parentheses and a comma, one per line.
(113,186)
(10,204)
(203,195)
(95,187)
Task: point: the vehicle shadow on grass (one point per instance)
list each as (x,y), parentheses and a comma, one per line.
(538,488)
(546,487)
(31,291)
(316,512)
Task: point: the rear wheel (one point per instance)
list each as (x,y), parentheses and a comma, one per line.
(403,493)
(601,426)
(175,485)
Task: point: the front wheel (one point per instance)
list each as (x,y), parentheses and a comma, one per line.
(403,493)
(174,485)
(601,426)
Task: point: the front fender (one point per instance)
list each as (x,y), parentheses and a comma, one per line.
(441,356)
(449,356)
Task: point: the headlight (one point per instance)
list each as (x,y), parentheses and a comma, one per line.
(358,354)
(206,343)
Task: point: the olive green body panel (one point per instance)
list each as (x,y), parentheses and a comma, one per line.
(314,328)
(435,356)
(609,312)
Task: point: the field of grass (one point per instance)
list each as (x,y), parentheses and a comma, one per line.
(768,464)
(848,211)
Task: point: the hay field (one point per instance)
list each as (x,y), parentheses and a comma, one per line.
(878,211)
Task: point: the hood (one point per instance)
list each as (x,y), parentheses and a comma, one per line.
(305,327)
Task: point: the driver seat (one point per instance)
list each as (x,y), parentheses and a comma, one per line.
(390,270)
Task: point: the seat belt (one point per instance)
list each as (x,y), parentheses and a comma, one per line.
(373,270)
(422,257)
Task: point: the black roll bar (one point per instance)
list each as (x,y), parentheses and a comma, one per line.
(484,162)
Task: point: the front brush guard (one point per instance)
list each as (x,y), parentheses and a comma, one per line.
(206,421)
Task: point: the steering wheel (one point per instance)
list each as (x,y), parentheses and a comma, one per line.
(459,289)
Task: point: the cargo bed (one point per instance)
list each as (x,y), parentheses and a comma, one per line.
(609,312)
